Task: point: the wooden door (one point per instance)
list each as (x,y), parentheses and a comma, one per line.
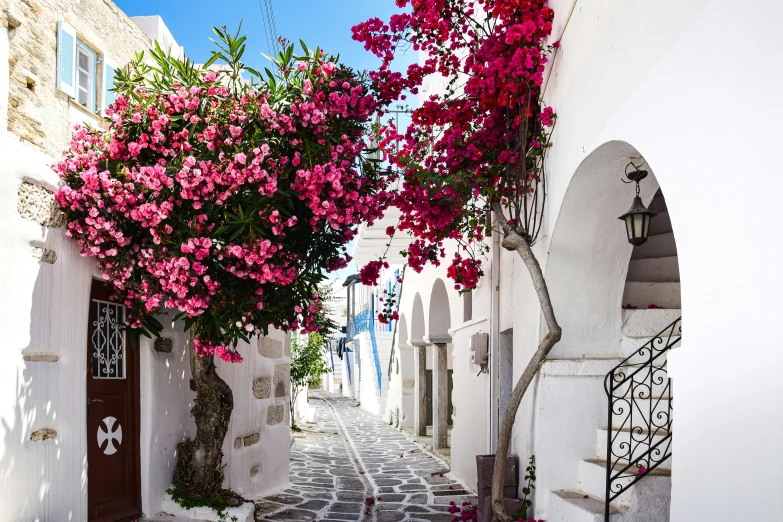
(113,467)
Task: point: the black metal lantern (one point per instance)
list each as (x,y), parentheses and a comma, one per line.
(637,219)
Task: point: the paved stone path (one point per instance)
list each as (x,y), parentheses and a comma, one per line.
(348,455)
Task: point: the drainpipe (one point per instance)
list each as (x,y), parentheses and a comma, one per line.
(494,337)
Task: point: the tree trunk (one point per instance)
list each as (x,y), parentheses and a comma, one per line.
(199,470)
(513,241)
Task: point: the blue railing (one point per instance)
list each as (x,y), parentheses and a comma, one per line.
(348,365)
(365,322)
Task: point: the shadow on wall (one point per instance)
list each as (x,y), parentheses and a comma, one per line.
(45,287)
(166,400)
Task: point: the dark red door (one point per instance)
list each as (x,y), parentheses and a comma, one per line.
(113,476)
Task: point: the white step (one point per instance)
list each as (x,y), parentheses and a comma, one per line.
(572,506)
(661,245)
(641,295)
(646,323)
(623,438)
(654,269)
(592,480)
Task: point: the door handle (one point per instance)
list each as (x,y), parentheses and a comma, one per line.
(91,401)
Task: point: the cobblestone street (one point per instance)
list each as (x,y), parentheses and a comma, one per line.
(347,456)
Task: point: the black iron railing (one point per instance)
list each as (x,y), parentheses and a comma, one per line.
(639,429)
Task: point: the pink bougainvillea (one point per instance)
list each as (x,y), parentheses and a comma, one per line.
(483,140)
(222,199)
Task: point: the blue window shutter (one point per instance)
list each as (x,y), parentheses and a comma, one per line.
(66,59)
(107,95)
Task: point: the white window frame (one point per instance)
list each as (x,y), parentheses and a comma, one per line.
(92,57)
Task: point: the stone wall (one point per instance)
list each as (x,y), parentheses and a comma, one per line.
(256,450)
(38,113)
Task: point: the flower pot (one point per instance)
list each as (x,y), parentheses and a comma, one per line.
(485,467)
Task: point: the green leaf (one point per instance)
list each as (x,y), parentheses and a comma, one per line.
(211,60)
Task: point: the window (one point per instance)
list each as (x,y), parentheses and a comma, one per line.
(83,73)
(85,76)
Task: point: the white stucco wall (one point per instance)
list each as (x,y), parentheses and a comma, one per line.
(166,400)
(43,309)
(655,76)
(669,80)
(253,468)
(154,27)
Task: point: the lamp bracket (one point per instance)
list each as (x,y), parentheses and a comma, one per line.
(635,176)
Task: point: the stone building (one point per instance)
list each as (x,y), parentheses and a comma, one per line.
(75,445)
(665,81)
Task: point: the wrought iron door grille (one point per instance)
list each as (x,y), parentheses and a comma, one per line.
(108,340)
(639,428)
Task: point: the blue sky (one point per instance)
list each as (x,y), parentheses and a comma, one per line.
(324,23)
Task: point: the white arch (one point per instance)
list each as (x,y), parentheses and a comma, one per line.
(439,311)
(418,327)
(589,252)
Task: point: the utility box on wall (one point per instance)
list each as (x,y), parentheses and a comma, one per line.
(479,345)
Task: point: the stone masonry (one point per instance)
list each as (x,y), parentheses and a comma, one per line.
(38,113)
(37,204)
(282,380)
(270,348)
(262,387)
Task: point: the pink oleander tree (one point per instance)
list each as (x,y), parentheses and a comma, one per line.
(223,194)
(472,159)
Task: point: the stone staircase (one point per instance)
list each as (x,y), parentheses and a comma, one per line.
(653,278)
(653,273)
(647,500)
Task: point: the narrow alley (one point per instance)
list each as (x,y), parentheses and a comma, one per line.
(348,456)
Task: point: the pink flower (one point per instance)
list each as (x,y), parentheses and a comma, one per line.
(328,68)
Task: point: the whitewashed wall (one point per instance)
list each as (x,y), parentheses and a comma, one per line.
(166,400)
(668,80)
(658,76)
(43,310)
(256,449)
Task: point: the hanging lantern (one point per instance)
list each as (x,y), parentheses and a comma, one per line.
(637,219)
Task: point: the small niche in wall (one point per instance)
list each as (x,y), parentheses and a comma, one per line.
(467,306)
(30,82)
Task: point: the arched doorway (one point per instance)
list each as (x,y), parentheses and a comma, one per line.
(440,376)
(611,299)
